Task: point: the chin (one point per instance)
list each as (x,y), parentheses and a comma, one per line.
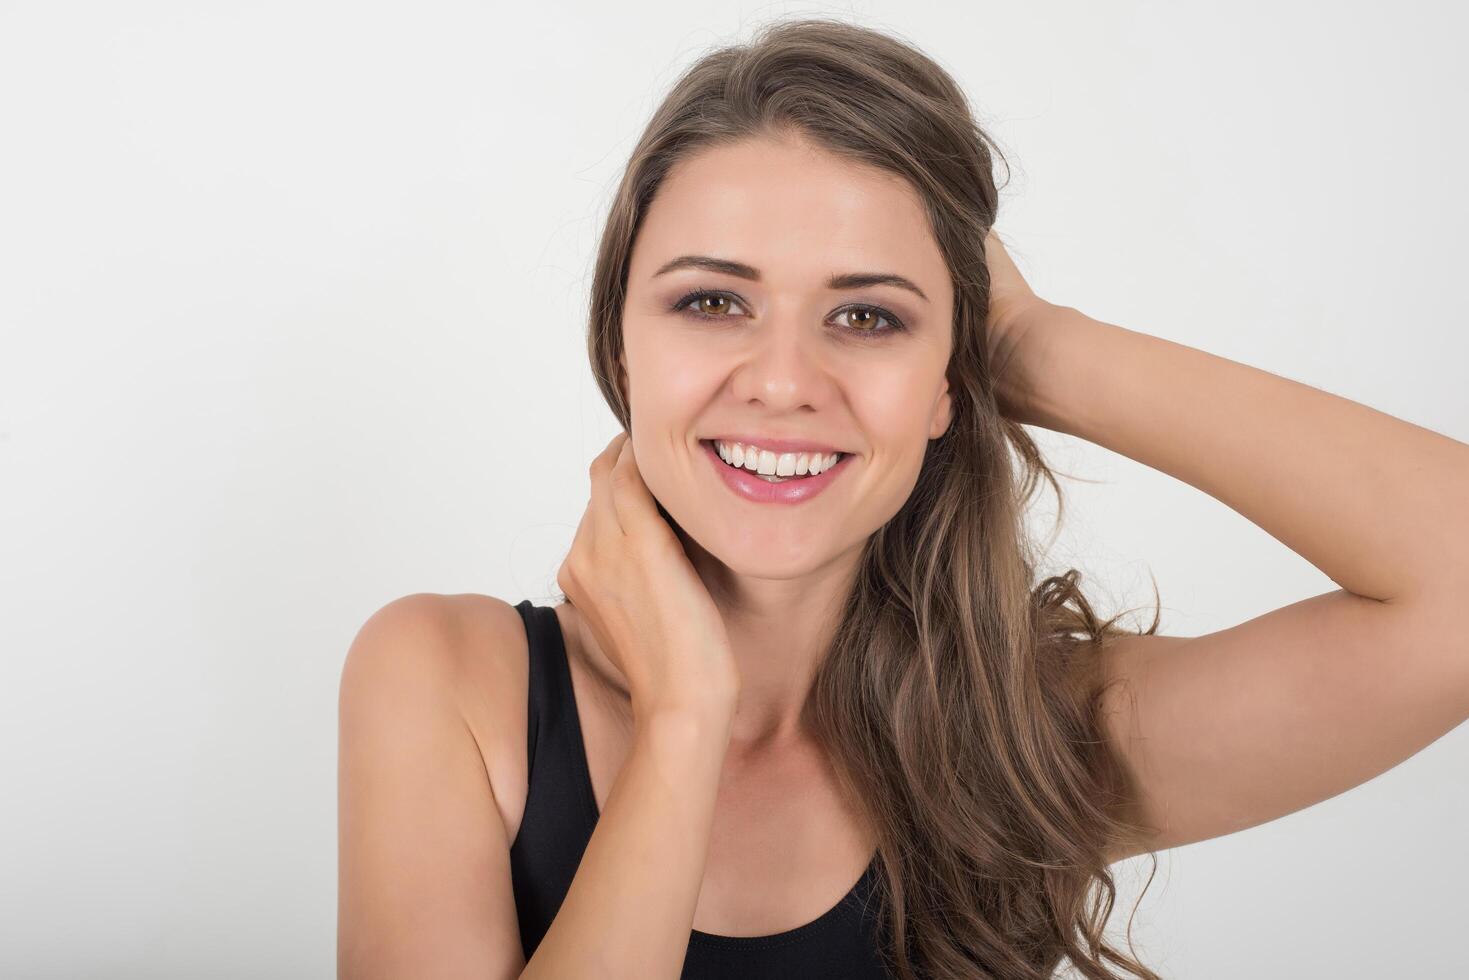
(775,546)
(752,552)
(777,570)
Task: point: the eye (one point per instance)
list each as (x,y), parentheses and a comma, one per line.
(871,313)
(700,296)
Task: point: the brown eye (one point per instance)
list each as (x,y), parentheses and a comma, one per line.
(705,304)
(870,315)
(711,304)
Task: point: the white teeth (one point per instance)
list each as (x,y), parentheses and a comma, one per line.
(767,463)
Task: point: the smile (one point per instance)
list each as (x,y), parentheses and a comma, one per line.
(772,489)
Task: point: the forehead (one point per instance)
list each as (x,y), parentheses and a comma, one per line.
(794,211)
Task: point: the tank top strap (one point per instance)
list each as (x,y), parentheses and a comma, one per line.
(560,810)
(541,702)
(552,720)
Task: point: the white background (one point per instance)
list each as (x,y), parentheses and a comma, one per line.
(291,324)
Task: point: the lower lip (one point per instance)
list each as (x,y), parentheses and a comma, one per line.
(756,490)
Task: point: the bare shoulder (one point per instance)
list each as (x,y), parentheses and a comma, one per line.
(424,870)
(492,659)
(466,650)
(453,642)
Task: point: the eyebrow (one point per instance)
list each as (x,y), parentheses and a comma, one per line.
(845,280)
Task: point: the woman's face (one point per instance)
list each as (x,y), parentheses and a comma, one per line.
(783,354)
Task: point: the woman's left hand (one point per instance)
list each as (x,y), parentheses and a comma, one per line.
(1014,314)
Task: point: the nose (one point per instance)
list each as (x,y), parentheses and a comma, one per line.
(783,368)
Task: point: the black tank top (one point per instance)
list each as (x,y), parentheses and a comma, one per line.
(561,812)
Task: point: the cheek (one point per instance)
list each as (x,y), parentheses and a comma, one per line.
(669,377)
(669,383)
(895,408)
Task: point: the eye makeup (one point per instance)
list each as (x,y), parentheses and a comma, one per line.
(895,323)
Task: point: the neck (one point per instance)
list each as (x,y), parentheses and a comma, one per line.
(779,629)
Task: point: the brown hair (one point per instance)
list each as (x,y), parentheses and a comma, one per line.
(959,704)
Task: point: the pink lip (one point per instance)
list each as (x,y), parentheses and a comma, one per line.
(756,490)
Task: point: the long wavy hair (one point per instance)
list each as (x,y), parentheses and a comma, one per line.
(959,702)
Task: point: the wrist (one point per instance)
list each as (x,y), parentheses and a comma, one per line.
(1031,377)
(685,724)
(708,703)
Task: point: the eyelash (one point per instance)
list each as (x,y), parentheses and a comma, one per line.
(896,325)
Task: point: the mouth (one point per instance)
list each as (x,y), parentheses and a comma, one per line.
(769,488)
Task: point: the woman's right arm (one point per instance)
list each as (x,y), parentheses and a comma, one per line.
(631,904)
(423,863)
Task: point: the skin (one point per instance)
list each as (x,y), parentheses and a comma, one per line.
(787,359)
(1222,731)
(1241,726)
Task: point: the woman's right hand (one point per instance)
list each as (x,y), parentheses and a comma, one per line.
(633,585)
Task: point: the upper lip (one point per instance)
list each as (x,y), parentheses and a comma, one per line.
(780,445)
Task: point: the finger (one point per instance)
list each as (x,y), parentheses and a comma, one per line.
(608,525)
(609,452)
(636,509)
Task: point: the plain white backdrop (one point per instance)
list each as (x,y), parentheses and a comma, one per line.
(291,324)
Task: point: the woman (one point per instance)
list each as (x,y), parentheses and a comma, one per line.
(805,712)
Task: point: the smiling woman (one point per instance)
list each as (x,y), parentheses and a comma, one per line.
(802,277)
(808,709)
(795,269)
(806,556)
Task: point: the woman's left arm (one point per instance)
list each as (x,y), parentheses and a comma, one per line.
(1241,726)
